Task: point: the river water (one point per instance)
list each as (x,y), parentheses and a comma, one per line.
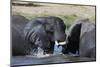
(60,58)
(39,58)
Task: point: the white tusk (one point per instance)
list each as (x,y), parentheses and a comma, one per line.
(62,43)
(56,43)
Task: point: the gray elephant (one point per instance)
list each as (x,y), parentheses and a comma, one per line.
(43,32)
(81,39)
(19,45)
(40,32)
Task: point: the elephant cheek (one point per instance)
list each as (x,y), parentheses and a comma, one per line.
(51,37)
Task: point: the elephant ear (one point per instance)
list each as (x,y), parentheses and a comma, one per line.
(37,36)
(30,27)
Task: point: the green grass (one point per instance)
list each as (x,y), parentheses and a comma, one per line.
(92,18)
(68,19)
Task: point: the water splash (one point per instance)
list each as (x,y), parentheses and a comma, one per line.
(57,50)
(38,53)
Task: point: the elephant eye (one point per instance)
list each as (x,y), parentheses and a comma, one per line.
(49,28)
(49,32)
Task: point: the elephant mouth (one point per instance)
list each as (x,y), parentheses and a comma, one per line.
(60,43)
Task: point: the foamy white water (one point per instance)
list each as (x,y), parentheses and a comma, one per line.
(39,53)
(57,50)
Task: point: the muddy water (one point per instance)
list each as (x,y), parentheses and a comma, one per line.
(29,60)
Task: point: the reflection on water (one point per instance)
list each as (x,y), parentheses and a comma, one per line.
(31,60)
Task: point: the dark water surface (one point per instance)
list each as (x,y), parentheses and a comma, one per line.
(25,60)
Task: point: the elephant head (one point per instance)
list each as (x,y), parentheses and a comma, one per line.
(55,29)
(44,32)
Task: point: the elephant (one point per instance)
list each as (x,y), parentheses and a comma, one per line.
(18,43)
(44,32)
(88,39)
(38,33)
(81,39)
